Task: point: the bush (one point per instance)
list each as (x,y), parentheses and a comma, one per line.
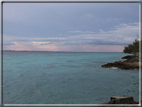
(132,48)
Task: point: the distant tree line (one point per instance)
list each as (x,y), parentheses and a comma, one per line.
(132,48)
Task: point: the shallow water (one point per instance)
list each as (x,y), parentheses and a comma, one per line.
(65,78)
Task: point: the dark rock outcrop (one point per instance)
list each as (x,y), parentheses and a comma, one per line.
(131,58)
(113,102)
(127,57)
(132,62)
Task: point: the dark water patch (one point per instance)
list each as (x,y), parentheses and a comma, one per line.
(60,58)
(91,65)
(21,67)
(7,70)
(6,59)
(56,63)
(72,66)
(35,66)
(100,98)
(70,61)
(89,59)
(19,63)
(50,67)
(135,83)
(25,61)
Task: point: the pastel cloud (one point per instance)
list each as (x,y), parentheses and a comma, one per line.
(123,34)
(18,46)
(52,47)
(69,26)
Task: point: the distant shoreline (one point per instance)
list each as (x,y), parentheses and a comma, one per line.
(54,51)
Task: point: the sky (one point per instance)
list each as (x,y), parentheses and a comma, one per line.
(75,27)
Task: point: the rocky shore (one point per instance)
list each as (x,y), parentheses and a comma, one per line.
(131,62)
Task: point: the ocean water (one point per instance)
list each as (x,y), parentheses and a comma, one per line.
(65,78)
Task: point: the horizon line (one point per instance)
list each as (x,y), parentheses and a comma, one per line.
(49,51)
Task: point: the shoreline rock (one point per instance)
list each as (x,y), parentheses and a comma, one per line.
(132,62)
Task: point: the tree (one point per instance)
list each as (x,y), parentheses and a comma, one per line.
(132,48)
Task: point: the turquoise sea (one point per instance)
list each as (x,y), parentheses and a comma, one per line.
(65,78)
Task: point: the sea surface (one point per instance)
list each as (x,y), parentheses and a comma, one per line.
(65,78)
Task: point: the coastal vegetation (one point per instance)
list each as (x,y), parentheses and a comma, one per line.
(132,48)
(132,61)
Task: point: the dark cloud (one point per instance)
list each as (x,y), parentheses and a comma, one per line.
(106,43)
(8,44)
(50,20)
(70,23)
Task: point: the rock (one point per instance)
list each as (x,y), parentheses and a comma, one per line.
(121,99)
(128,57)
(132,62)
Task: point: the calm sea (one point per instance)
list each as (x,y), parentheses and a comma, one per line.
(65,78)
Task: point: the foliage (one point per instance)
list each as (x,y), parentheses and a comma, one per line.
(132,48)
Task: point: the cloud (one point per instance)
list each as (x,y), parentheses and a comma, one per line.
(8,39)
(8,44)
(81,32)
(69,26)
(91,48)
(53,20)
(48,39)
(42,43)
(121,35)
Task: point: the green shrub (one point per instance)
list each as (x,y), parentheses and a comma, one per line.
(132,48)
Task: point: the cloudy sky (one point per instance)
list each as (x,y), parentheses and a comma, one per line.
(79,27)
